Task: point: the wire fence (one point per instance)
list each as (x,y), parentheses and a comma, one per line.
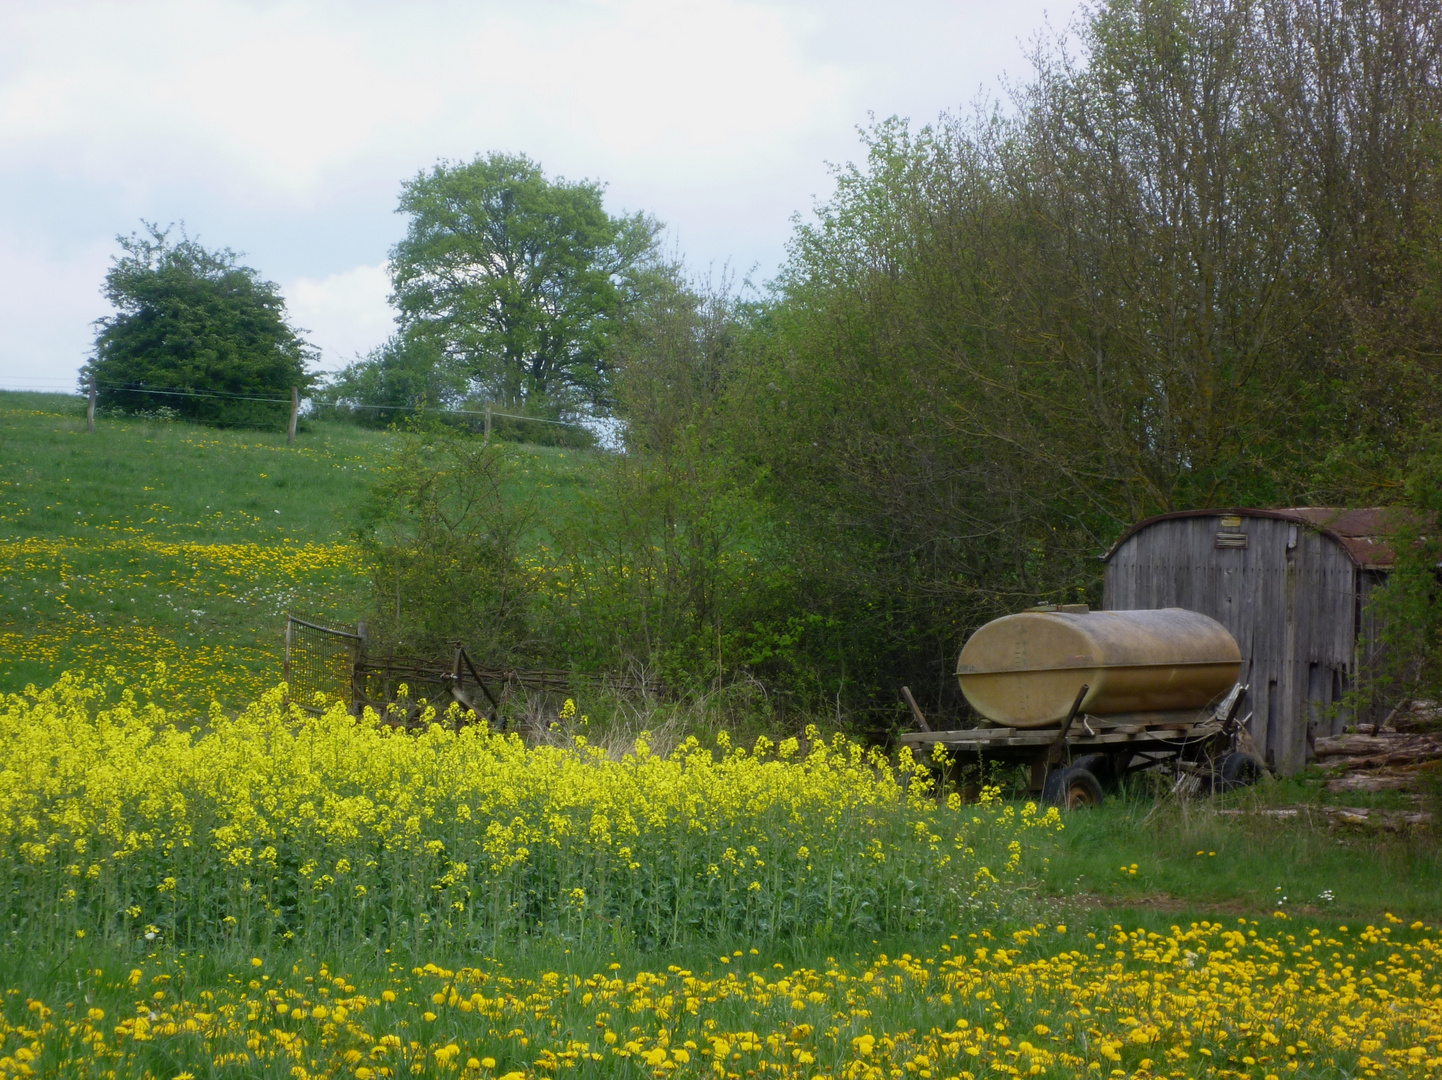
(52,386)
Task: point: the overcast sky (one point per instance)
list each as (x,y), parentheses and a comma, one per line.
(283,129)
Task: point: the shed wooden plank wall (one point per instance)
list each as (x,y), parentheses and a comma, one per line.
(1289,598)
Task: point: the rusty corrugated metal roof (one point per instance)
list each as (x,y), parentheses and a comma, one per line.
(1364,532)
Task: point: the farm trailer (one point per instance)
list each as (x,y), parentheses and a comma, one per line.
(1085,697)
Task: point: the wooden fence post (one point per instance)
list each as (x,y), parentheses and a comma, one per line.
(90,409)
(294,412)
(488,421)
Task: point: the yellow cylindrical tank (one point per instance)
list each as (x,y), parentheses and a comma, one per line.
(1025,670)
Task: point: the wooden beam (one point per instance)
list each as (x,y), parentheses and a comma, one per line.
(915,709)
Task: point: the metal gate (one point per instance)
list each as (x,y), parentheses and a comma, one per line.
(332,661)
(320,660)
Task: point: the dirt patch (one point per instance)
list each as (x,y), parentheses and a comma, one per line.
(1166,904)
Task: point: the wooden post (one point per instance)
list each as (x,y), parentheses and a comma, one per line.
(915,709)
(488,421)
(294,412)
(1058,752)
(90,409)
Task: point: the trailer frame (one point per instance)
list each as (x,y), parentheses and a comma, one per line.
(1204,748)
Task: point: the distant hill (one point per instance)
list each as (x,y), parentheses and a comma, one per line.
(160,540)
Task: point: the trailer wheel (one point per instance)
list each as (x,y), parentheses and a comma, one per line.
(1102,766)
(1239,770)
(1072,788)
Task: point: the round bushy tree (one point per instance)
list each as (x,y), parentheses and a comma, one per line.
(197,332)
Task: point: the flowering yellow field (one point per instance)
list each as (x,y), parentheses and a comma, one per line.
(119,817)
(146,541)
(129,829)
(1242,1000)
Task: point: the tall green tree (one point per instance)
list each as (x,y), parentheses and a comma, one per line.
(196,332)
(521,281)
(664,566)
(398,377)
(1193,265)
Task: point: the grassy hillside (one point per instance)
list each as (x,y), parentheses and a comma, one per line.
(167,541)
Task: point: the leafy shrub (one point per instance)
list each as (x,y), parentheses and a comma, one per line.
(196,333)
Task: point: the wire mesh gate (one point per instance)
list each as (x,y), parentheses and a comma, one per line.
(321,660)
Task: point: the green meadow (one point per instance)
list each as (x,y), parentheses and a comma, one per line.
(151,541)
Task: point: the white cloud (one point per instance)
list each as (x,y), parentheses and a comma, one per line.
(284,127)
(683,89)
(344,314)
(46,353)
(227,94)
(284,97)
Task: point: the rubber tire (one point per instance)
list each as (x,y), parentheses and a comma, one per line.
(1102,766)
(1239,769)
(1072,788)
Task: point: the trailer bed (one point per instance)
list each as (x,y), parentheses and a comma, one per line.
(1103,732)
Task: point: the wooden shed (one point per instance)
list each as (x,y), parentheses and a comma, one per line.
(1292,587)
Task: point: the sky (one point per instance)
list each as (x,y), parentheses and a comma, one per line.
(284,129)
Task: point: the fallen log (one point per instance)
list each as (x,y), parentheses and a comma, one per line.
(1377,761)
(1400,780)
(1360,816)
(1347,746)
